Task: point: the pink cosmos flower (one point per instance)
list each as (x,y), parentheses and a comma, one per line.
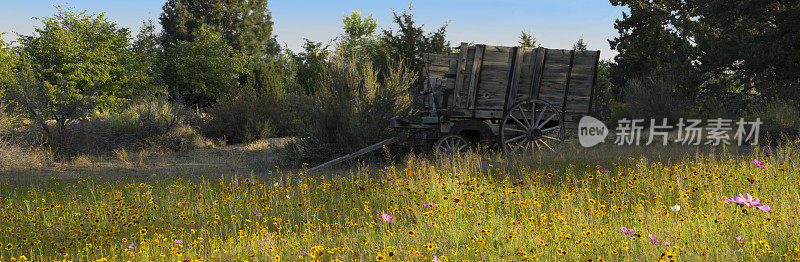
(178,241)
(387,218)
(739,238)
(759,163)
(132,245)
(748,201)
(628,231)
(763,207)
(667,243)
(653,239)
(436,259)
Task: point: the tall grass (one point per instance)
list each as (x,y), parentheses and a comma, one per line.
(553,206)
(350,110)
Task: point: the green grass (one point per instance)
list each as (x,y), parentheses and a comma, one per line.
(558,206)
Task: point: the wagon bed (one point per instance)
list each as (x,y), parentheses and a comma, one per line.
(483,81)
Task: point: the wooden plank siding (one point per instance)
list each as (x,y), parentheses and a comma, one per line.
(486,80)
(474,76)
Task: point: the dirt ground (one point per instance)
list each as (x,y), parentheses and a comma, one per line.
(257,159)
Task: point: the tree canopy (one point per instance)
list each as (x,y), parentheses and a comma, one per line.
(410,41)
(715,46)
(7,61)
(245,25)
(357,25)
(78,57)
(202,71)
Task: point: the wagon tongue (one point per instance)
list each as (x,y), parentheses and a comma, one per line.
(357,153)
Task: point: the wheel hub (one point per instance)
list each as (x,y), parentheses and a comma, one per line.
(534,134)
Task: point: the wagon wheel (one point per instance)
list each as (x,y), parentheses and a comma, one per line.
(531,125)
(451,144)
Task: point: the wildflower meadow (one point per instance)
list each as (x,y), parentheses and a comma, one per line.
(696,205)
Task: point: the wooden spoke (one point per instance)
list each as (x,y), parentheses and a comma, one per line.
(527,123)
(451,144)
(515,139)
(541,114)
(545,144)
(552,128)
(518,122)
(516,130)
(547,121)
(519,145)
(552,138)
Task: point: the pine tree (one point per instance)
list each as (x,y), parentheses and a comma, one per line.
(526,39)
(580,45)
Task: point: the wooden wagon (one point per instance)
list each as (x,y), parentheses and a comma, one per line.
(523,98)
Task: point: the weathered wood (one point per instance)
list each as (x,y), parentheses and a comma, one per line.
(594,84)
(355,154)
(566,87)
(516,69)
(462,62)
(538,70)
(496,54)
(476,69)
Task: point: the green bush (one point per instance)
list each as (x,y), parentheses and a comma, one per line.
(619,111)
(707,107)
(245,119)
(350,110)
(779,117)
(652,97)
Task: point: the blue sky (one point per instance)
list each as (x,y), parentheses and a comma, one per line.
(554,23)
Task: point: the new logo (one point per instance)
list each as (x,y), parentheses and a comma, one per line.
(591,131)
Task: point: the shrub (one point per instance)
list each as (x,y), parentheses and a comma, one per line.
(619,111)
(147,123)
(350,110)
(652,97)
(706,107)
(779,117)
(245,119)
(7,121)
